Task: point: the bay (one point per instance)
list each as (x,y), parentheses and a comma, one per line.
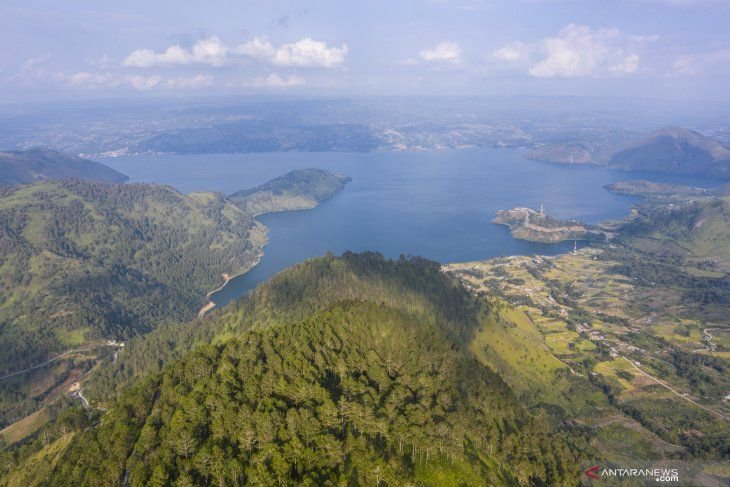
(436,204)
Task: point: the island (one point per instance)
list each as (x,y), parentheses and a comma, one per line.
(537,226)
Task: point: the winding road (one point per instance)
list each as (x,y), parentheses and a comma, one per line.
(57,357)
(78,395)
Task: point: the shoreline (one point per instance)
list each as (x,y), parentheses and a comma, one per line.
(226,279)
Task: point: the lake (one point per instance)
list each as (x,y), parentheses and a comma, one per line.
(437,204)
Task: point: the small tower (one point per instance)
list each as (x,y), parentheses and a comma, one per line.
(542,210)
(575,247)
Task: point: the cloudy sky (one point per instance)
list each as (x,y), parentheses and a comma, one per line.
(70,49)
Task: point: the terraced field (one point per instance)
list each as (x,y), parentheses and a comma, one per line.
(654,384)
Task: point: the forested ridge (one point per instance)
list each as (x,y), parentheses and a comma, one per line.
(414,285)
(83,260)
(323,376)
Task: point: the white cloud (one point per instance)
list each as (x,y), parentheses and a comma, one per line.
(86,79)
(276,81)
(206,51)
(515,51)
(705,62)
(310,53)
(199,81)
(144,83)
(258,48)
(33,71)
(627,66)
(445,51)
(579,51)
(89,79)
(306,52)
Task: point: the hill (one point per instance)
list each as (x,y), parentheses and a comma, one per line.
(676,151)
(671,150)
(323,376)
(296,190)
(23,167)
(85,262)
(696,229)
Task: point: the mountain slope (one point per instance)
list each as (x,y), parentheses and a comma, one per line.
(360,391)
(84,262)
(677,151)
(90,259)
(23,167)
(414,285)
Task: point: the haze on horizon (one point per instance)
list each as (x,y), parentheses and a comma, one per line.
(673,49)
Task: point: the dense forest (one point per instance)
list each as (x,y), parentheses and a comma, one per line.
(109,261)
(413,285)
(83,262)
(337,379)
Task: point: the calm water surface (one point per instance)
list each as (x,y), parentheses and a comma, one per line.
(437,204)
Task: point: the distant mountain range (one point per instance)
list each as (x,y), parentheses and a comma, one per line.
(671,150)
(34,165)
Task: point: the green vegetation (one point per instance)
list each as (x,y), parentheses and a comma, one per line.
(338,379)
(23,167)
(415,286)
(642,318)
(83,262)
(297,190)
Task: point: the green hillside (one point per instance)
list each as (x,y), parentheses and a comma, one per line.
(34,165)
(416,286)
(699,230)
(332,383)
(296,190)
(85,262)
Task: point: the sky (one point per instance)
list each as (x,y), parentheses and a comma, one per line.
(84,49)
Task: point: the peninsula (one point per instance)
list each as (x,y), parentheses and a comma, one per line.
(536,226)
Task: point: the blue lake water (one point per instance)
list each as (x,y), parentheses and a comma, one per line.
(437,204)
